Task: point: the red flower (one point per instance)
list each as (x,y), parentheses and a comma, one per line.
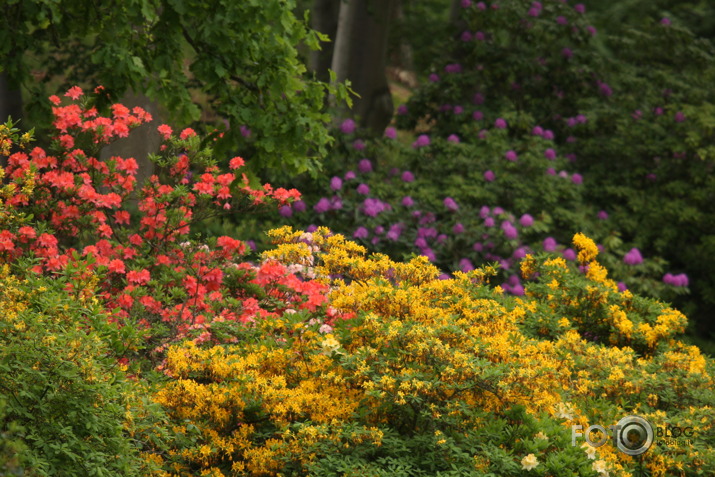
(140,278)
(236,163)
(6,241)
(165,131)
(187,133)
(121,217)
(54,99)
(116,266)
(74,92)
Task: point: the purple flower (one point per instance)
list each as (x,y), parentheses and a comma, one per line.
(550,154)
(420,242)
(561,20)
(479,36)
(665,21)
(577,179)
(433,77)
(336,183)
(633,257)
(484,212)
(498,211)
(245,132)
(458,228)
(466,36)
(622,286)
(394,171)
(441,238)
(604,89)
(477,115)
(391,133)
(372,207)
(537,131)
(489,222)
(450,204)
(511,155)
(421,141)
(591,30)
(285,211)
(407,176)
(534,12)
(361,233)
(477,247)
(407,201)
(489,176)
(311,228)
(402,109)
(466,3)
(526,220)
(394,232)
(466,265)
(322,206)
(509,230)
(336,203)
(348,126)
(453,138)
(481,6)
(580,8)
(365,166)
(299,206)
(569,254)
(379,230)
(350,175)
(517,290)
(427,252)
(567,53)
(519,253)
(478,98)
(483,134)
(458,110)
(550,244)
(363,189)
(680,280)
(602,214)
(500,123)
(551,171)
(548,135)
(453,68)
(679,117)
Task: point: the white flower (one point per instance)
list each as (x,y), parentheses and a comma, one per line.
(601,466)
(564,411)
(330,345)
(529,462)
(590,450)
(542,436)
(325,328)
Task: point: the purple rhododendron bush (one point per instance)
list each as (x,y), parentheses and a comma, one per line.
(133,346)
(529,127)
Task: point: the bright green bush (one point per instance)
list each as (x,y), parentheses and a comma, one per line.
(68,404)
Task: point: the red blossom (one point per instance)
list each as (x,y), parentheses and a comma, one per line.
(165,131)
(75,92)
(116,266)
(187,133)
(236,163)
(141,277)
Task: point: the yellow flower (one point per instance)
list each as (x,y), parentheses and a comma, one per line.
(529,462)
(587,250)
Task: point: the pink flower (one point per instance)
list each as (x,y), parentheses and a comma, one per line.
(421,141)
(550,154)
(336,183)
(363,189)
(580,8)
(500,123)
(453,138)
(489,176)
(365,166)
(511,155)
(602,215)
(458,228)
(390,133)
(665,21)
(550,244)
(526,220)
(407,176)
(407,201)
(577,179)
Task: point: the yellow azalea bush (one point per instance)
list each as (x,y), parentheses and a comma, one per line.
(427,376)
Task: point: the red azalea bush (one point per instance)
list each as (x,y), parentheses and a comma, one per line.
(66,211)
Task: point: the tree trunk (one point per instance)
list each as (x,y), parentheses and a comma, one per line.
(360,55)
(324,18)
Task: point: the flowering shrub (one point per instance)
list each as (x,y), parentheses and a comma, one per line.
(439,376)
(69,208)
